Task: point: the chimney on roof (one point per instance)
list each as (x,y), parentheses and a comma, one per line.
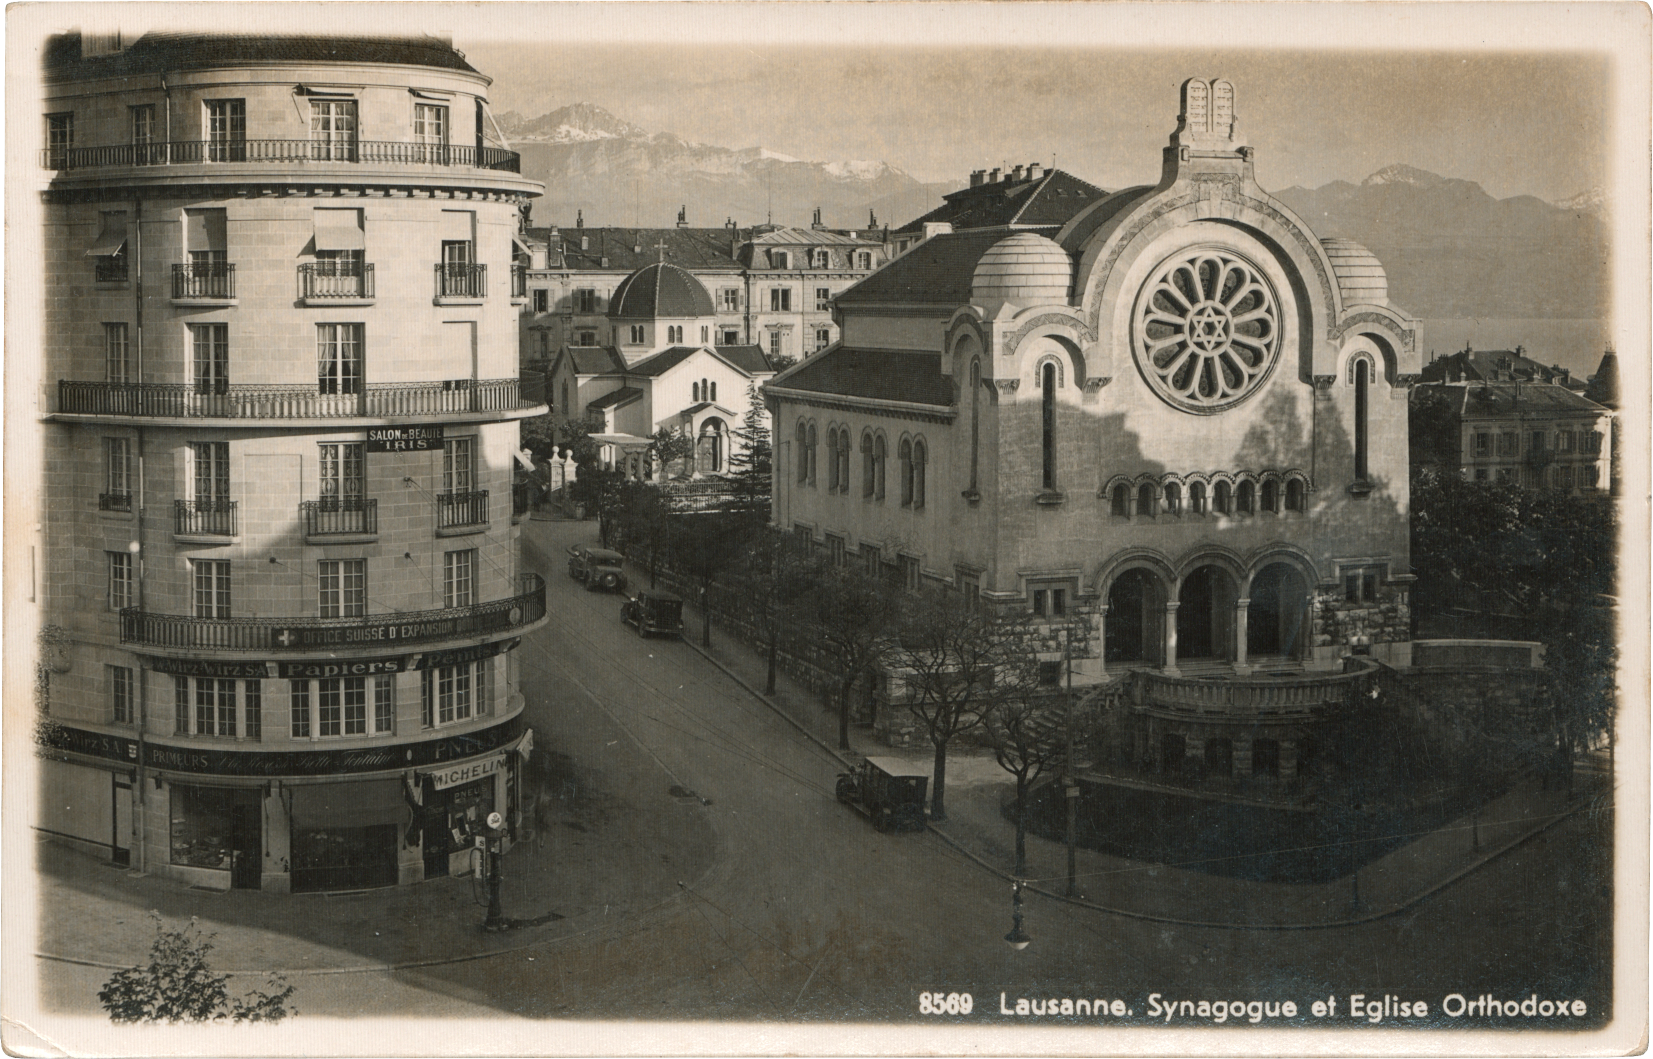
(977,176)
(1035,171)
(1017,173)
(554,234)
(872,220)
(683,216)
(604,261)
(637,248)
(993,176)
(1562,375)
(816,223)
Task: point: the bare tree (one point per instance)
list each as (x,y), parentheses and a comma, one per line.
(1028,730)
(854,614)
(955,660)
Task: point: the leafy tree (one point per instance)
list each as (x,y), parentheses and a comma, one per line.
(853,614)
(539,435)
(643,520)
(670,445)
(1028,730)
(781,361)
(576,434)
(950,658)
(178,985)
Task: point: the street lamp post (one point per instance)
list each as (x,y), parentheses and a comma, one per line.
(1017,938)
(494,835)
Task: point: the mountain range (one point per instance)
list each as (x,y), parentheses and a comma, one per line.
(617,173)
(1450,249)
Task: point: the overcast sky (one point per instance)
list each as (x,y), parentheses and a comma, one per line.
(1531,123)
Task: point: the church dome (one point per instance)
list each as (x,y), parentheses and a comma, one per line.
(1024,268)
(1359,273)
(658,291)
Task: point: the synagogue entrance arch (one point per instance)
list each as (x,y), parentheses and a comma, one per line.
(1136,615)
(1276,619)
(1205,615)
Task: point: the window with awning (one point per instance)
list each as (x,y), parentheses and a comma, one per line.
(205,231)
(339,230)
(111,240)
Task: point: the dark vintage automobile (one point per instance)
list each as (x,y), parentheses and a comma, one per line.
(889,790)
(652,612)
(599,568)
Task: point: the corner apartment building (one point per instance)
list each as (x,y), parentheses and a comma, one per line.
(280,418)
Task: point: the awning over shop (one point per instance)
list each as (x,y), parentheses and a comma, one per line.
(339,230)
(111,236)
(362,803)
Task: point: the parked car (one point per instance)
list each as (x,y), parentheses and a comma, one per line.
(887,789)
(651,612)
(599,568)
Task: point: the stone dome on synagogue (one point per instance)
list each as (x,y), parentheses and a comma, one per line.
(660,291)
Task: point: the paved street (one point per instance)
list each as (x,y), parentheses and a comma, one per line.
(665,771)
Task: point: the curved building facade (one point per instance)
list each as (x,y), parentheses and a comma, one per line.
(282,413)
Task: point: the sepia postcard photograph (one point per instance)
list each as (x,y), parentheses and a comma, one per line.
(826,528)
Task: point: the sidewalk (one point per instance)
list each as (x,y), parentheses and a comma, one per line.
(977,788)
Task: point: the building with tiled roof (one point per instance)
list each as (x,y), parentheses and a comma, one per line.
(1026,198)
(771,285)
(1497,365)
(1168,423)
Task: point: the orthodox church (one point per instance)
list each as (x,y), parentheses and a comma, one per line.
(659,369)
(1173,426)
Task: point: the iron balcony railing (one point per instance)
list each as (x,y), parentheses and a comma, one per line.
(364,152)
(114,501)
(109,268)
(281,401)
(462,509)
(337,516)
(340,279)
(214,279)
(461,280)
(204,518)
(519,281)
(386,631)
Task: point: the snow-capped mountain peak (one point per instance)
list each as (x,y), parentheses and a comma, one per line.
(575,123)
(1404,174)
(1592,200)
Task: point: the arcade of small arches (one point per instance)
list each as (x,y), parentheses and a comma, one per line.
(912,461)
(1200,494)
(1211,611)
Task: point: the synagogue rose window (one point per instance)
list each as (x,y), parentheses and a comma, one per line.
(1207,330)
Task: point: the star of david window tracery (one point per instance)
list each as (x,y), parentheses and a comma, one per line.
(1207,330)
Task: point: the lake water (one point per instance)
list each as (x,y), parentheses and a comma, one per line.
(1575,344)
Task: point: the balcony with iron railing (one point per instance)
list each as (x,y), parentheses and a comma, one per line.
(461,282)
(197,519)
(376,631)
(508,398)
(519,284)
(338,517)
(280,152)
(334,282)
(463,512)
(203,281)
(114,501)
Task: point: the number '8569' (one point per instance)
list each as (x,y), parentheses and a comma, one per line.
(950,1004)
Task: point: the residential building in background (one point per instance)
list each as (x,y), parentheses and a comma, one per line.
(278,544)
(771,285)
(1501,417)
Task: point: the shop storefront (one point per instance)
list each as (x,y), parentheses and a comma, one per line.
(305,821)
(346,836)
